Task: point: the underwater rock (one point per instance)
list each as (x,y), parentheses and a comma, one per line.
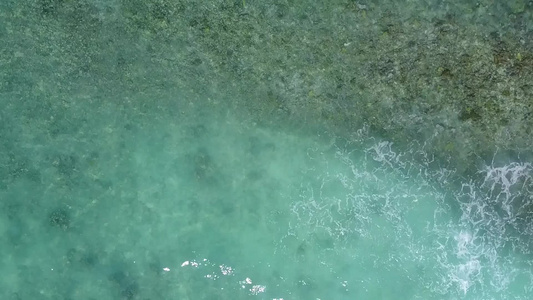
(127,285)
(59,218)
(130,290)
(81,257)
(66,165)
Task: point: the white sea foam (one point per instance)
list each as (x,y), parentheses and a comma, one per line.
(379,195)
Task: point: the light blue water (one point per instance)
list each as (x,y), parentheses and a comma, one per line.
(204,203)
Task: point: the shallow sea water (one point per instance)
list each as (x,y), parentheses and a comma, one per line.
(120,194)
(206,204)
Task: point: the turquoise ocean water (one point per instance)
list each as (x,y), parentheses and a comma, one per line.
(201,203)
(110,192)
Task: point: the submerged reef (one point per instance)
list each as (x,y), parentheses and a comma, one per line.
(457,74)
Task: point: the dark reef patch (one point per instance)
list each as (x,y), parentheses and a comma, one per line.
(60,218)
